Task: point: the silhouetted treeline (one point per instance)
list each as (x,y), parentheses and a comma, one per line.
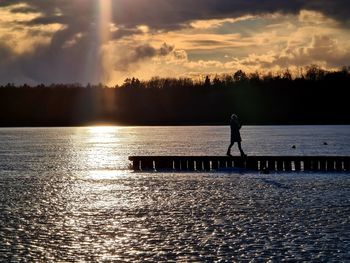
(314,97)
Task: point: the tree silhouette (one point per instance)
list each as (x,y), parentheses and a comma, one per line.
(314,97)
(207,82)
(314,72)
(240,76)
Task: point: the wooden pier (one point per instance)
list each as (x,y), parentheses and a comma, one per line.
(254,163)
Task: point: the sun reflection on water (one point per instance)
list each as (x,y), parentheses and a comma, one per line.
(106,174)
(97,152)
(101,130)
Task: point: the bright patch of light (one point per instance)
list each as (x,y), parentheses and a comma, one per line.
(103,130)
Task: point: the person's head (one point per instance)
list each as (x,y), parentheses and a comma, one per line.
(234,117)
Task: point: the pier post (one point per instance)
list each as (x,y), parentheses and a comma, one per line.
(184,166)
(297,165)
(288,165)
(280,165)
(239,163)
(264,164)
(330,165)
(136,165)
(323,165)
(178,166)
(147,165)
(191,165)
(307,165)
(231,164)
(272,164)
(338,165)
(164,164)
(347,165)
(222,164)
(206,165)
(214,164)
(199,165)
(315,165)
(252,164)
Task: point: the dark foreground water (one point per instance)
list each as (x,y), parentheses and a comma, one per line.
(66,194)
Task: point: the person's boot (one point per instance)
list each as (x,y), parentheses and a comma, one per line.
(243,155)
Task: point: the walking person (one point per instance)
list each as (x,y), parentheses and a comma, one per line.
(235,135)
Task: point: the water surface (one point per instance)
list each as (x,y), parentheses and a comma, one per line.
(66,194)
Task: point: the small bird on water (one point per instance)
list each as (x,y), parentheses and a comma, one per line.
(294,147)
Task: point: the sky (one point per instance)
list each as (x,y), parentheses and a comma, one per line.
(107,41)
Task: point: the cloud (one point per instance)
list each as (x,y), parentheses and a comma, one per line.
(323,50)
(165,14)
(23,9)
(174,13)
(139,53)
(63,41)
(215,23)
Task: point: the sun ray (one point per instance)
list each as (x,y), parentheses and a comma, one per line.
(105,18)
(95,66)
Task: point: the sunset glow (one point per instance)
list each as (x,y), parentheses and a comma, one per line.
(108,41)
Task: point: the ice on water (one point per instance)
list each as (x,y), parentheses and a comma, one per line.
(66,194)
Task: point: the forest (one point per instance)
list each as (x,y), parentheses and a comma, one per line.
(315,96)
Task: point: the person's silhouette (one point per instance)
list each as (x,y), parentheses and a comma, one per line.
(235,135)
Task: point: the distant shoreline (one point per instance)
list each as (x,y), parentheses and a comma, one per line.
(319,98)
(156,125)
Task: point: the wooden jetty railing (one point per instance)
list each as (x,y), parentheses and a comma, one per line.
(255,163)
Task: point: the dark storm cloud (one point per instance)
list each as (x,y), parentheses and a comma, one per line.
(140,53)
(24,10)
(123,32)
(174,13)
(337,9)
(48,20)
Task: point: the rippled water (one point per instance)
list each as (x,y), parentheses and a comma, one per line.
(66,194)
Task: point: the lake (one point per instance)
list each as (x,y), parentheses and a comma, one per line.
(67,194)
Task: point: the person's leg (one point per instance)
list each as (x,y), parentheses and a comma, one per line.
(229,149)
(240,149)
